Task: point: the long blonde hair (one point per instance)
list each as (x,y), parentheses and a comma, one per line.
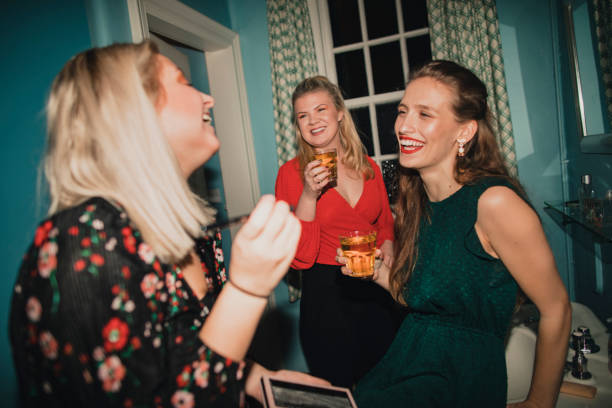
(482,159)
(104,139)
(354,152)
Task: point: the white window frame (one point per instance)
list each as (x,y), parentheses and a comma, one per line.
(325,51)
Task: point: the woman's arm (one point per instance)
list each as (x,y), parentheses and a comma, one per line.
(261,253)
(289,188)
(509,229)
(316,177)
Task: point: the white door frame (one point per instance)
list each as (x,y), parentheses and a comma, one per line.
(221,47)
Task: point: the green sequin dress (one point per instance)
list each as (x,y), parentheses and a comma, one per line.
(449,351)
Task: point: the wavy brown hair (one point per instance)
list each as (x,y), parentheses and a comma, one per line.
(354,152)
(482,159)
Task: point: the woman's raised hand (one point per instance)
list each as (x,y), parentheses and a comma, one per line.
(264,247)
(316,177)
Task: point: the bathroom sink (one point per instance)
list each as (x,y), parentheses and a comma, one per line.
(520,355)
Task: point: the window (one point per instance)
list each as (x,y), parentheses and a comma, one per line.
(369,47)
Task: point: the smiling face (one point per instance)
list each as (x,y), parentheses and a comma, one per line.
(318,119)
(184,113)
(426,126)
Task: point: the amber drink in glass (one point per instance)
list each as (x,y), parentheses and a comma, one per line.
(329,159)
(358,247)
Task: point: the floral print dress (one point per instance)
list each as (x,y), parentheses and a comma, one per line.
(97,320)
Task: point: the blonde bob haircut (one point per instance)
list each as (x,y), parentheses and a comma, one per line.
(104,140)
(354,152)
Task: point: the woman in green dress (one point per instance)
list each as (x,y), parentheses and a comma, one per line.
(468,243)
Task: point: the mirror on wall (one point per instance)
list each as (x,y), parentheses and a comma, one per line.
(592,106)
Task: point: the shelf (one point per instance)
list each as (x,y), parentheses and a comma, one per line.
(569,213)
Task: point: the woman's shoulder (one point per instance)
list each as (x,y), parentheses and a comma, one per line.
(289,170)
(484,183)
(96,212)
(95,219)
(498,196)
(291,165)
(374,165)
(83,237)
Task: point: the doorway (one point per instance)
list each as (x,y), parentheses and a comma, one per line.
(219,49)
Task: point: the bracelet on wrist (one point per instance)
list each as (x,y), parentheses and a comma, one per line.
(247,292)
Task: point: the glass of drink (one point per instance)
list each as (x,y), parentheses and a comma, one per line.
(359,247)
(329,159)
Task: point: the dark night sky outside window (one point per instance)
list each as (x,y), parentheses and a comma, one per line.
(381,18)
(415,15)
(361,117)
(419,51)
(387,67)
(344,17)
(385,116)
(351,74)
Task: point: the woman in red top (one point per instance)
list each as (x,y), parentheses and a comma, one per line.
(345,324)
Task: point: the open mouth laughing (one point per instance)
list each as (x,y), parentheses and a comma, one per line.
(409,145)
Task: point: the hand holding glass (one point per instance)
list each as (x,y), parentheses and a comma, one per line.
(329,159)
(359,249)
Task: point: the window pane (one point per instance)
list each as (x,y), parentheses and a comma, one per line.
(361,117)
(381,18)
(419,51)
(387,67)
(350,68)
(389,173)
(344,19)
(415,14)
(385,116)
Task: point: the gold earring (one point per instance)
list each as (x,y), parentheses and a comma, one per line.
(461,151)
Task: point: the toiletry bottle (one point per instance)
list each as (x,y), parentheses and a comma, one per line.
(607,207)
(586,197)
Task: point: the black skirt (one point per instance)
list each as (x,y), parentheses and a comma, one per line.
(346,324)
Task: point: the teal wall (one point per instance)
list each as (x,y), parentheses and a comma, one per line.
(529,49)
(38,38)
(592,271)
(546,134)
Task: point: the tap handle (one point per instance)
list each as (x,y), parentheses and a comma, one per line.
(579,366)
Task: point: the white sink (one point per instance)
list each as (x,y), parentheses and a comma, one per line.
(520,354)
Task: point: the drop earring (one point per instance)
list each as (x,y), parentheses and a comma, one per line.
(461,151)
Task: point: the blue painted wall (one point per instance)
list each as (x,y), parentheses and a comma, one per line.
(38,38)
(528,43)
(550,161)
(591,272)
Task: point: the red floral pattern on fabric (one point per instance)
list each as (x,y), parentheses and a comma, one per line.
(95,316)
(115,334)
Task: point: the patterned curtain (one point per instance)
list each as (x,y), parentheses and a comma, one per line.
(467,32)
(602,18)
(292,59)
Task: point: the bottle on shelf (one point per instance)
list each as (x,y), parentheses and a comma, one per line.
(588,200)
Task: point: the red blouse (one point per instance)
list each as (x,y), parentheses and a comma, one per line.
(334,215)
